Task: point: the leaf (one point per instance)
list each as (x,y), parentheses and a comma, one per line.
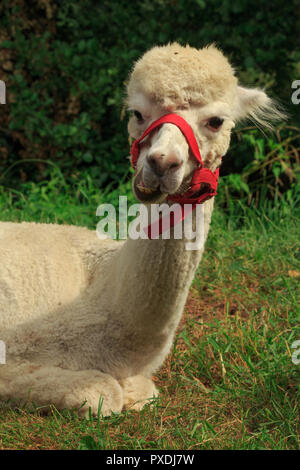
(276,171)
(213,342)
(88,443)
(7,44)
(87,157)
(293,273)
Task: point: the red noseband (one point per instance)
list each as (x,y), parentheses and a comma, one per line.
(201,174)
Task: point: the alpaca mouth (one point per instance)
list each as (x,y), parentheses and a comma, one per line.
(144,193)
(154,195)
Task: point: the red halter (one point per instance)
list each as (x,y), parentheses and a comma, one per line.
(201,174)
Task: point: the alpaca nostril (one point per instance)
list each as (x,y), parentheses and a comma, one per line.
(175,165)
(161,165)
(154,162)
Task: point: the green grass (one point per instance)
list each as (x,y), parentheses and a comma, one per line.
(229,381)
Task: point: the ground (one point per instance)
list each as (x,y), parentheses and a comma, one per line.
(229,381)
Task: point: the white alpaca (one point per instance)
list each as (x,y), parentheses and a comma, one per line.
(82,317)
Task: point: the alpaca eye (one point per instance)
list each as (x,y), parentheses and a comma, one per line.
(139,116)
(214,123)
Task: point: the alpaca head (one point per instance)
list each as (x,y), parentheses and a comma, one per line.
(200,86)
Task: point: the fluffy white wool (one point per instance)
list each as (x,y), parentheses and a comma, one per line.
(82,317)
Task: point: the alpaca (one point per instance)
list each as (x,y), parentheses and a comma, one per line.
(82,317)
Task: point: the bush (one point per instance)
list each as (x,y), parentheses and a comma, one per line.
(65,64)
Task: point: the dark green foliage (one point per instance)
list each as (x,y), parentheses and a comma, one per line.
(65,64)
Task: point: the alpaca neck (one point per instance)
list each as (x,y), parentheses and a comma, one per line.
(152,278)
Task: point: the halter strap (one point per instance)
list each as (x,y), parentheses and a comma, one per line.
(201,175)
(171,119)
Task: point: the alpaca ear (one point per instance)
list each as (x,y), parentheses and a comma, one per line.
(255,105)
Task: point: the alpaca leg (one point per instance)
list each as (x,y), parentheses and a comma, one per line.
(63,388)
(137,390)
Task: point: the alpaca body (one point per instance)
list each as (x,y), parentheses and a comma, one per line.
(83,318)
(73,320)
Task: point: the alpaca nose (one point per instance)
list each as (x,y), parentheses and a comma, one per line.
(160,164)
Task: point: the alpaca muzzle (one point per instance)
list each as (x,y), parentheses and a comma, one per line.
(204,182)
